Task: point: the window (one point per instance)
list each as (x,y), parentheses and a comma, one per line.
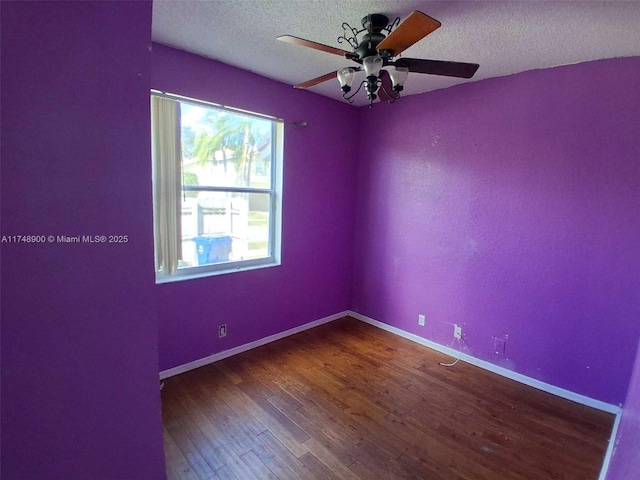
(217,189)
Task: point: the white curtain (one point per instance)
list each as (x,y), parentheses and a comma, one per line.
(167,182)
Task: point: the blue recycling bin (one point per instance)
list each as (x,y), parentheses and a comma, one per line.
(212,248)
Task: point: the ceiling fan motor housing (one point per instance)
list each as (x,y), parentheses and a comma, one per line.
(374,24)
(367,46)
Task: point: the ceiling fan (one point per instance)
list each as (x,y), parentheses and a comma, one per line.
(375,51)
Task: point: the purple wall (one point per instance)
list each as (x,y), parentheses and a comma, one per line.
(625,464)
(511,207)
(319,174)
(80,394)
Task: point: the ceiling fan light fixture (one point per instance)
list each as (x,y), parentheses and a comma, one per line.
(345,77)
(398,77)
(372,65)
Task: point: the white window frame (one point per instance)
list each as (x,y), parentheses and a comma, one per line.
(275,193)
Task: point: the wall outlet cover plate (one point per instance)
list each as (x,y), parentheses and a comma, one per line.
(457,331)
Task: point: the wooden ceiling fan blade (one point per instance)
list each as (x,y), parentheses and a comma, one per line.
(388,86)
(415,27)
(439,67)
(316,81)
(314,45)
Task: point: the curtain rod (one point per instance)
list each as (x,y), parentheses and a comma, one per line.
(182,98)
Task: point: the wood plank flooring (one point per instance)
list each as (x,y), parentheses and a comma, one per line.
(350,401)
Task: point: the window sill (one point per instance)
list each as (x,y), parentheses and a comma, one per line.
(200,272)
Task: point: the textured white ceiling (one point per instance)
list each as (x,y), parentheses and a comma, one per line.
(504,37)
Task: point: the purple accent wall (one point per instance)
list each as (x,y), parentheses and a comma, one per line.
(80,397)
(319,174)
(625,464)
(511,207)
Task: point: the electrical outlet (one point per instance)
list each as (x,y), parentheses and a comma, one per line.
(421,320)
(457,331)
(222,331)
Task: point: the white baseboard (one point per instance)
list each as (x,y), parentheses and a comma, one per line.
(611,447)
(248,346)
(532,382)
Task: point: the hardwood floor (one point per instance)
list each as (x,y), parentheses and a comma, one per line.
(350,401)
